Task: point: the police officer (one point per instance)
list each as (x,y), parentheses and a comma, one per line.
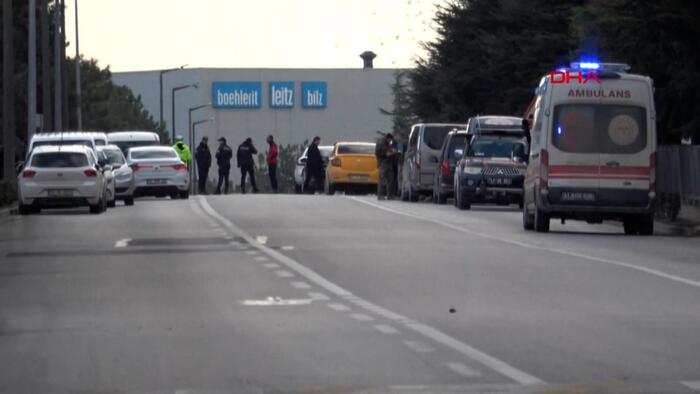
(385,162)
(314,166)
(246,163)
(183,151)
(223,160)
(203,157)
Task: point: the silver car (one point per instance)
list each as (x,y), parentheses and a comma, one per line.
(123,174)
(158,171)
(300,168)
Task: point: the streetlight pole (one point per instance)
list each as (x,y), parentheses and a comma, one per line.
(191,135)
(172,102)
(31,78)
(78,93)
(160,90)
(194,133)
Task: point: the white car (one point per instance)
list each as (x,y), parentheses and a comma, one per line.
(126,140)
(61,177)
(300,168)
(123,174)
(158,171)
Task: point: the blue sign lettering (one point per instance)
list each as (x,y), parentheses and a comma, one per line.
(236,94)
(314,94)
(281,94)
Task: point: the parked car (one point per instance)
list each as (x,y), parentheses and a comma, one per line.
(158,171)
(99,137)
(61,138)
(123,174)
(61,177)
(490,124)
(108,172)
(352,165)
(491,170)
(300,168)
(417,172)
(452,151)
(593,151)
(129,139)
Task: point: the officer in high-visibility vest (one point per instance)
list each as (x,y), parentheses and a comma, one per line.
(183,150)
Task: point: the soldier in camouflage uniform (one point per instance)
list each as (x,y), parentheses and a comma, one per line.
(385,162)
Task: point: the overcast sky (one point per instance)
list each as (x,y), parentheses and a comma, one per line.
(132,35)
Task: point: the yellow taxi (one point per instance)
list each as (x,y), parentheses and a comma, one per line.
(352,165)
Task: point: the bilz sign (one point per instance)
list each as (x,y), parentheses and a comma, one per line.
(314,94)
(236,94)
(565,76)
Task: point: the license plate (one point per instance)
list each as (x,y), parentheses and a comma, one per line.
(577,196)
(358,177)
(61,193)
(156,181)
(499,181)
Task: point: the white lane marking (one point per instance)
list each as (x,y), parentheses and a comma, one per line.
(261,258)
(287,247)
(122,243)
(271,265)
(319,296)
(362,317)
(528,245)
(693,385)
(338,307)
(462,369)
(252,252)
(418,346)
(284,274)
(301,285)
(427,331)
(276,301)
(386,329)
(261,239)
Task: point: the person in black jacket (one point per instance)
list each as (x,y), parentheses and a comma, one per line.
(246,163)
(223,160)
(203,157)
(314,167)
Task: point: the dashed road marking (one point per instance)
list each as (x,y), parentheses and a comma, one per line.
(271,265)
(338,307)
(693,385)
(301,285)
(284,274)
(319,296)
(261,239)
(419,346)
(386,329)
(261,258)
(362,317)
(462,369)
(252,252)
(287,247)
(122,243)
(429,332)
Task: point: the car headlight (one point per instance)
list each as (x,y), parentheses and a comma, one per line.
(123,176)
(472,170)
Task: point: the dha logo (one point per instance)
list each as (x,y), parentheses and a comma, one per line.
(236,94)
(566,76)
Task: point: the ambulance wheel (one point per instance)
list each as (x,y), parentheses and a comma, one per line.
(645,225)
(528,220)
(129,201)
(541,221)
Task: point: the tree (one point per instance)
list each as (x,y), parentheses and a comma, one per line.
(402,116)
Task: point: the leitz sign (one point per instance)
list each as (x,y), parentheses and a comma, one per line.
(280,94)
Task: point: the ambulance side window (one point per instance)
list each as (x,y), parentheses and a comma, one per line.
(537,128)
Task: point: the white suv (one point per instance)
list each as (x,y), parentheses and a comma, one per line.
(61,177)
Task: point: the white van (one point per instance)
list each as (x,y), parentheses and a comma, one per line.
(129,139)
(593,153)
(99,137)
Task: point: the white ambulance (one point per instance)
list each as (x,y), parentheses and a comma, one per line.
(593,148)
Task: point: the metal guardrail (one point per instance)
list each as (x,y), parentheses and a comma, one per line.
(678,171)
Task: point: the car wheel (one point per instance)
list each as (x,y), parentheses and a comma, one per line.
(629,224)
(541,220)
(173,196)
(96,208)
(528,220)
(462,201)
(521,203)
(441,198)
(185,195)
(645,224)
(24,209)
(129,201)
(112,204)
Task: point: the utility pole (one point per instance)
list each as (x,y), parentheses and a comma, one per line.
(45,66)
(78,94)
(64,69)
(8,91)
(57,64)
(31,69)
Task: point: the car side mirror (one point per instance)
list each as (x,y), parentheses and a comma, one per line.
(20,166)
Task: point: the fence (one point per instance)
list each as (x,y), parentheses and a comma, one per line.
(678,171)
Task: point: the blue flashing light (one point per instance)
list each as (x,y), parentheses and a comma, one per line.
(558,130)
(586,66)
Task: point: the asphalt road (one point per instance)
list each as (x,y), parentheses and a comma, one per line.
(277,293)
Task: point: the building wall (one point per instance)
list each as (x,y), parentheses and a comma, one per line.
(355,97)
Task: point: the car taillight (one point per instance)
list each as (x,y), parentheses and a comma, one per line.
(336,162)
(134,167)
(28,173)
(180,168)
(90,172)
(445,168)
(544,168)
(418,161)
(652,172)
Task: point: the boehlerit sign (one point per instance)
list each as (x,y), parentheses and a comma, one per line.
(236,94)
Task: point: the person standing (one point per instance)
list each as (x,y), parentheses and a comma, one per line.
(246,163)
(385,162)
(223,161)
(272,153)
(183,151)
(203,157)
(314,166)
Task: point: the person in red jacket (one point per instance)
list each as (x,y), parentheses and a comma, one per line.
(272,153)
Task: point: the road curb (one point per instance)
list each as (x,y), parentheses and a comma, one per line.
(4,212)
(686,231)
